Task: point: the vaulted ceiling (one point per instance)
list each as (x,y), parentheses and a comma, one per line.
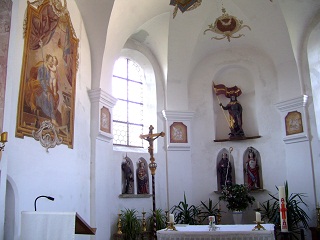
(109,24)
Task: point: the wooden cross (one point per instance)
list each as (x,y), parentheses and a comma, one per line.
(150,138)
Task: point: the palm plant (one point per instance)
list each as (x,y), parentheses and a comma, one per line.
(297,218)
(207,210)
(184,213)
(161,219)
(131,226)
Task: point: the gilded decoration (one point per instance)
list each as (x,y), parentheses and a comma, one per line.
(184,5)
(293,122)
(49,67)
(178,133)
(226,25)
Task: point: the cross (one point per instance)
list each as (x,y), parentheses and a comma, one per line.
(283,209)
(150,137)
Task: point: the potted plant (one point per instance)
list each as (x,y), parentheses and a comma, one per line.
(297,218)
(238,199)
(184,213)
(131,226)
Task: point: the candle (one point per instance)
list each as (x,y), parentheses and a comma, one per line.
(171,218)
(258,217)
(219,205)
(258,205)
(283,209)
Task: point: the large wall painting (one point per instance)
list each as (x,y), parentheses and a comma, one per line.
(5,22)
(48,75)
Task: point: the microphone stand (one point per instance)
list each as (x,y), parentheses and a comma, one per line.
(35,201)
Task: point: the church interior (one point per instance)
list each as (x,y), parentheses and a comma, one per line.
(196,57)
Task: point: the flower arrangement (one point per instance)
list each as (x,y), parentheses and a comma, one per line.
(237,197)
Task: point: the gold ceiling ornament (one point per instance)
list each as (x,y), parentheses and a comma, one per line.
(184,5)
(226,25)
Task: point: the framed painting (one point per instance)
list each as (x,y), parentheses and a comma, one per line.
(178,133)
(49,67)
(105,120)
(293,123)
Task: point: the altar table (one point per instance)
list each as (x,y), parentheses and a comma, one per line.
(223,232)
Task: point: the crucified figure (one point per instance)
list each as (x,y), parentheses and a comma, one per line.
(150,137)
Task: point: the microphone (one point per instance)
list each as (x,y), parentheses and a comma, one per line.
(35,201)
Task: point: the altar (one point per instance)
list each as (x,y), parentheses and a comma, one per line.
(223,232)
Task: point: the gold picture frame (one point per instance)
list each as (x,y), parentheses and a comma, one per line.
(293,122)
(178,133)
(49,67)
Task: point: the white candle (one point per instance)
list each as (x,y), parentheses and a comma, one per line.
(258,205)
(283,209)
(258,217)
(171,218)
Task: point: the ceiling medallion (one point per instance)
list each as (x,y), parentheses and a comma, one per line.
(227,26)
(184,5)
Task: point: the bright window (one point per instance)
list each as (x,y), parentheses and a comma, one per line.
(128,114)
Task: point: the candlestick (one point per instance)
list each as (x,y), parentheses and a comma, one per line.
(318,216)
(119,224)
(258,226)
(144,224)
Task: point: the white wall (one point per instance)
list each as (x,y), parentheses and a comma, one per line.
(62,173)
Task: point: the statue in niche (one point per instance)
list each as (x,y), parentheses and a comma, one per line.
(128,176)
(225,171)
(234,109)
(252,170)
(142,178)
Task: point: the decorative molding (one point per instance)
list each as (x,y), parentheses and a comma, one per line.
(287,108)
(47,135)
(98,95)
(183,119)
(292,104)
(99,100)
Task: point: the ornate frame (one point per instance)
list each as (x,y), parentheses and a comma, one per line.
(49,67)
(293,122)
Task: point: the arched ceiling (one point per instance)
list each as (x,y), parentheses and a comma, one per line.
(110,23)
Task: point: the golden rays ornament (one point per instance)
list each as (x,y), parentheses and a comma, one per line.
(226,25)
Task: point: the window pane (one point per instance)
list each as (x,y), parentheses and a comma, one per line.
(119,88)
(120,111)
(134,71)
(120,133)
(135,93)
(134,135)
(120,68)
(135,113)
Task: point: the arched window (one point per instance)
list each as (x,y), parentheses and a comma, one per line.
(128,114)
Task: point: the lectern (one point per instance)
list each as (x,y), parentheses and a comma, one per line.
(53,226)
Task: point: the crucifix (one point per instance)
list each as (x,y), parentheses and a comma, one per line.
(150,137)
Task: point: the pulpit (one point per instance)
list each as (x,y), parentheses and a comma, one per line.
(53,225)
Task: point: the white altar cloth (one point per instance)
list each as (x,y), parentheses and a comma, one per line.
(48,225)
(223,232)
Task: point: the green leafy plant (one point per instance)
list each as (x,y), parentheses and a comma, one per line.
(237,197)
(206,210)
(131,226)
(297,218)
(161,220)
(184,213)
